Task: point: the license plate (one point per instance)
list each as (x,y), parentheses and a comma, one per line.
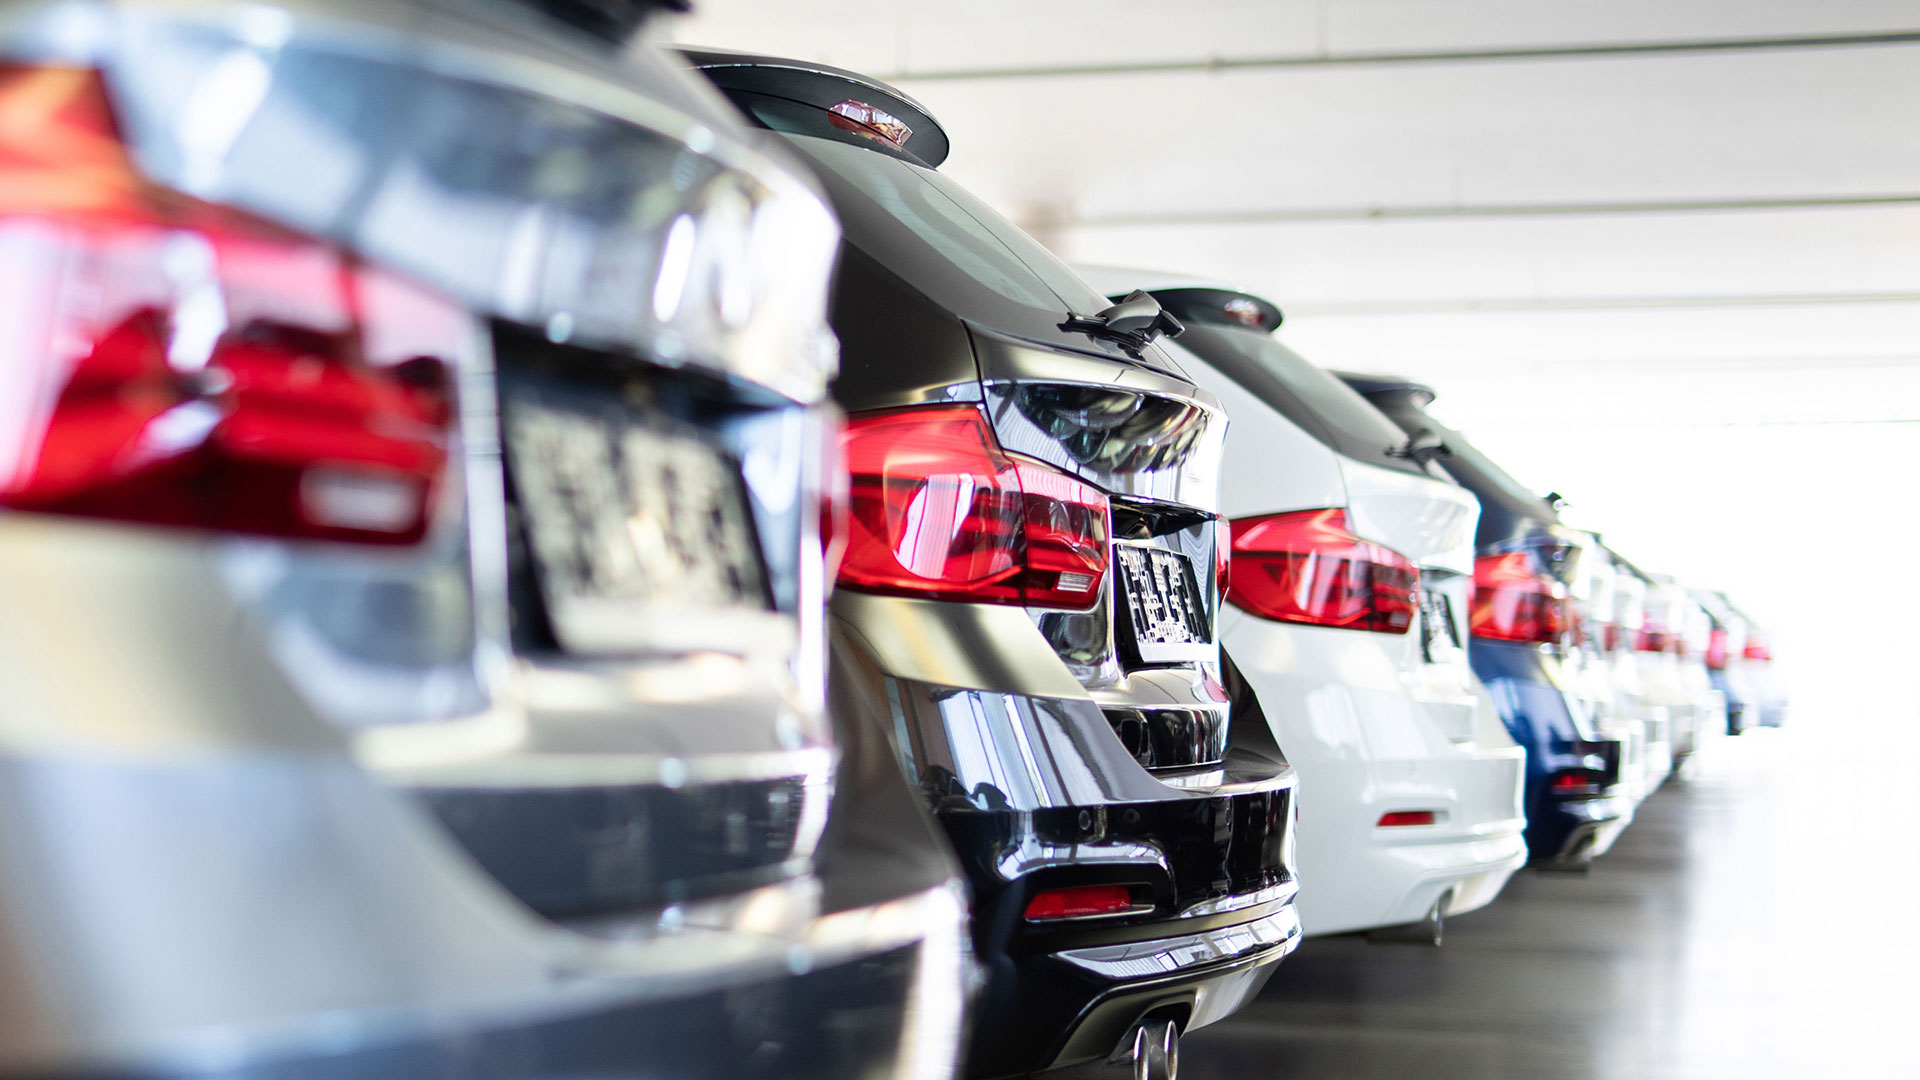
(1163,605)
(627,518)
(1439,634)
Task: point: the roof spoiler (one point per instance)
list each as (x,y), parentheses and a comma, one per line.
(845,94)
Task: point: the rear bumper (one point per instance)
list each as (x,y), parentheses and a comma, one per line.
(273,914)
(1103,991)
(1035,790)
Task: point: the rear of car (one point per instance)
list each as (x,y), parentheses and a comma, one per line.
(1726,661)
(1029,597)
(1756,653)
(1673,638)
(1520,628)
(1642,684)
(1350,580)
(411,648)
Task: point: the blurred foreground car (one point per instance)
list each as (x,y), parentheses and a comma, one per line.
(1519,629)
(410,646)
(1351,574)
(1029,599)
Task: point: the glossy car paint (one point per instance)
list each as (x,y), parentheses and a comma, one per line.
(1012,720)
(1729,672)
(1645,680)
(1371,723)
(1609,685)
(301,808)
(1529,683)
(1759,665)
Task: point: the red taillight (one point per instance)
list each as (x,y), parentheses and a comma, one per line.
(1653,639)
(174,362)
(1578,782)
(1756,650)
(1717,649)
(1080,902)
(1306,567)
(1407,817)
(1610,636)
(937,509)
(1511,602)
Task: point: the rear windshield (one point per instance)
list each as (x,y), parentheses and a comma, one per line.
(1311,397)
(1504,501)
(946,243)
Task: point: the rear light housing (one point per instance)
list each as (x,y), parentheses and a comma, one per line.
(936,509)
(1717,649)
(1084,902)
(1577,783)
(168,361)
(1756,649)
(1398,818)
(1308,567)
(1653,639)
(1513,602)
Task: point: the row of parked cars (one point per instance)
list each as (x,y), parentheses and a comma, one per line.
(523,555)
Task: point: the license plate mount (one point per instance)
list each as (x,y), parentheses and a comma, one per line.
(1161,605)
(1439,633)
(632,519)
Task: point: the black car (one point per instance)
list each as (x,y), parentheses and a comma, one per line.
(1520,626)
(1028,600)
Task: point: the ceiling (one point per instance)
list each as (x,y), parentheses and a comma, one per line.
(1662,255)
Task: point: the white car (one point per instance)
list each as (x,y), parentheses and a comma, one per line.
(1645,683)
(1589,672)
(1678,627)
(1351,576)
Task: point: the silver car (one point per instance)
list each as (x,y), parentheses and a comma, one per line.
(411,593)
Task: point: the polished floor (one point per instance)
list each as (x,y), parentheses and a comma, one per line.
(1757,922)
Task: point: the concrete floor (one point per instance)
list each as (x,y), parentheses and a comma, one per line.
(1757,922)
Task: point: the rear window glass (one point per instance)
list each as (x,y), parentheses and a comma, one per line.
(1475,470)
(1311,397)
(945,242)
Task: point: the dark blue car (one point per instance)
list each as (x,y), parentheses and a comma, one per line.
(1524,558)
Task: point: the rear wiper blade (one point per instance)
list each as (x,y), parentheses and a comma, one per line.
(1423,446)
(1133,323)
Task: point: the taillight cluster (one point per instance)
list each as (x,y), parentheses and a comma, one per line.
(1308,567)
(1514,602)
(1756,649)
(937,509)
(169,361)
(1717,649)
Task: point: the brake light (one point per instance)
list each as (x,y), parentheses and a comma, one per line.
(1513,603)
(1393,818)
(1610,636)
(1080,902)
(1717,649)
(937,509)
(1578,782)
(1653,639)
(1756,650)
(1306,567)
(171,361)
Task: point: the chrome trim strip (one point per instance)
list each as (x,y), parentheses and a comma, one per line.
(1277,934)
